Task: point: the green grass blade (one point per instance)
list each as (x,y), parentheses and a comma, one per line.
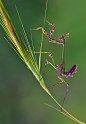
(42,37)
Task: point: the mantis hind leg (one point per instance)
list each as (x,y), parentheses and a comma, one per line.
(66,90)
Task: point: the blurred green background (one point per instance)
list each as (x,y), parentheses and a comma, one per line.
(21,96)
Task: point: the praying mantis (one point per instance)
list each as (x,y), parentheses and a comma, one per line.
(60,67)
(23,50)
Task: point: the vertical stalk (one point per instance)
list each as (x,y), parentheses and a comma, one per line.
(42,38)
(63,58)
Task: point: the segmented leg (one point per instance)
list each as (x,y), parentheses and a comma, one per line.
(59,76)
(55,84)
(50,39)
(52,31)
(57,67)
(66,91)
(47,62)
(65,95)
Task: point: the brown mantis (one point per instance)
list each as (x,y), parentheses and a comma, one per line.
(62,65)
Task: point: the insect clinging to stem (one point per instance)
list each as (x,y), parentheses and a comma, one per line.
(62,65)
(22,47)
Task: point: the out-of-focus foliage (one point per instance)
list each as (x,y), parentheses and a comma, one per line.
(22,99)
